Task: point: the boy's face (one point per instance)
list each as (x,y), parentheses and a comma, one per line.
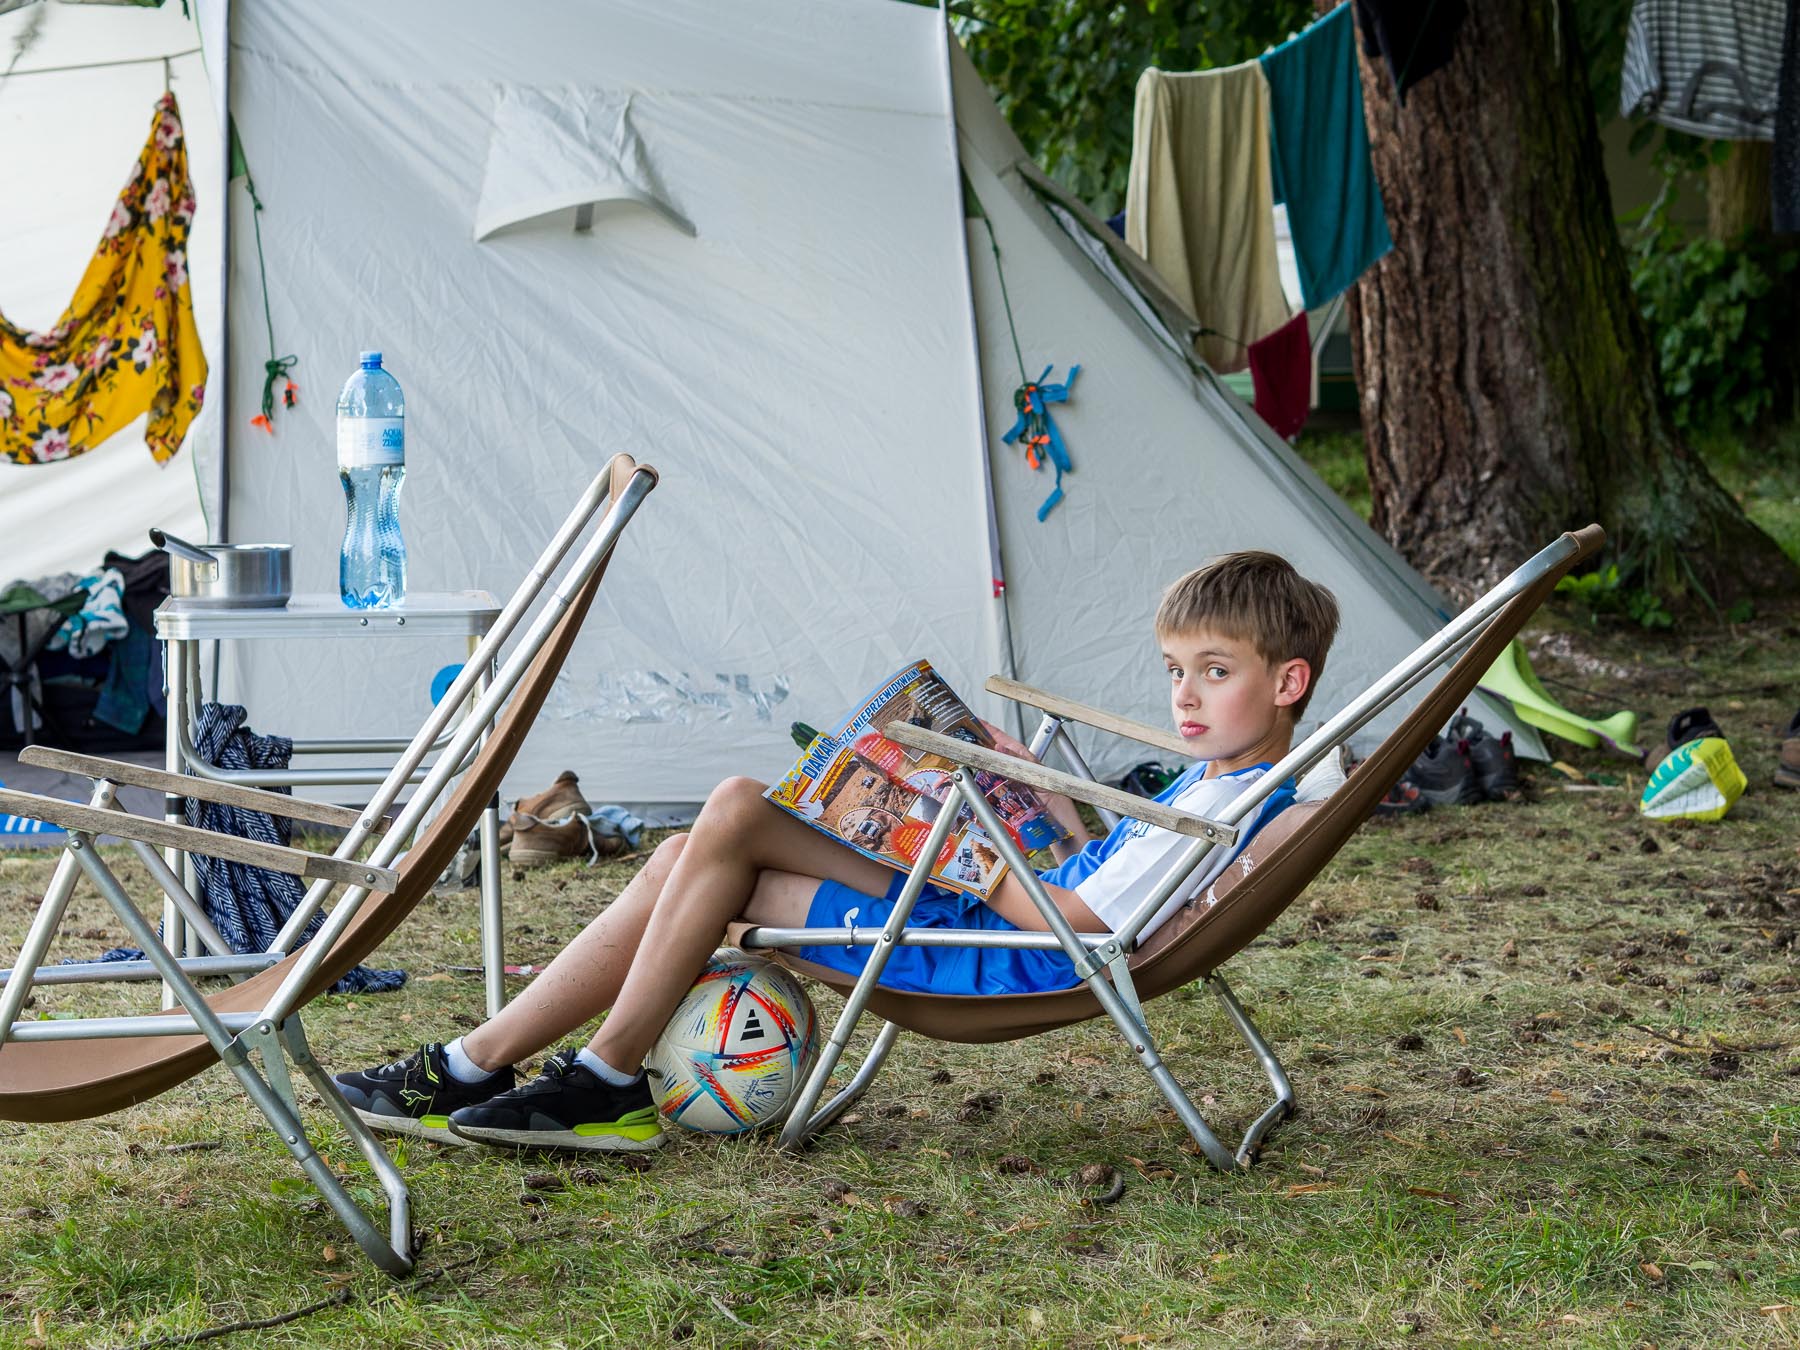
(1229,704)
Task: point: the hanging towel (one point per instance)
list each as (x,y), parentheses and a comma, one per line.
(1707,67)
(1412,37)
(127,344)
(1281,370)
(1784,175)
(248,905)
(1320,150)
(1198,203)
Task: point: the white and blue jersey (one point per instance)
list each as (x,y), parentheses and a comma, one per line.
(1114,875)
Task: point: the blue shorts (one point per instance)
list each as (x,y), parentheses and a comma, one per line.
(933,970)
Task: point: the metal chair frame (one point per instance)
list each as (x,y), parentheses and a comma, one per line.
(275,1033)
(1103,960)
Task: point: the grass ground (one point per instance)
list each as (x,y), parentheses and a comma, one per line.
(1548,1059)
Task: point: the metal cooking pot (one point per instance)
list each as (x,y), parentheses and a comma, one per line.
(233,576)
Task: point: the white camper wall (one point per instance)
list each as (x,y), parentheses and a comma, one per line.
(72,138)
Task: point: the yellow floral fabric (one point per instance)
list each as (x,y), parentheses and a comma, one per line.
(127,343)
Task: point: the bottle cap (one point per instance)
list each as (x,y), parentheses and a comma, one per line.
(371,358)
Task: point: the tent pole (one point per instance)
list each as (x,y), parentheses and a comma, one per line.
(1001,630)
(223,468)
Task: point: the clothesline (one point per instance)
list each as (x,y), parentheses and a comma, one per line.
(102,65)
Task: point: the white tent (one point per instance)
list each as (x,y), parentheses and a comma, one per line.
(74,111)
(730,239)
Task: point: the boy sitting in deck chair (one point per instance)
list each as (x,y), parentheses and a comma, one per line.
(1244,640)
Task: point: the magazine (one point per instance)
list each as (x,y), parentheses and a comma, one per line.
(882,799)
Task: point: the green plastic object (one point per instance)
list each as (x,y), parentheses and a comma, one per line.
(1512,678)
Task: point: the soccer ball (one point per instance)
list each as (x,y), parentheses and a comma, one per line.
(736,1050)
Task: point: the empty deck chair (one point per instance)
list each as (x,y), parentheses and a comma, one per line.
(1121,974)
(76,1069)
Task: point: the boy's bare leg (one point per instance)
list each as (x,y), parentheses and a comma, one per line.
(583,979)
(736,840)
(744,858)
(676,910)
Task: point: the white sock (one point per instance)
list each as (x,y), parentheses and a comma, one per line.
(604,1071)
(462,1068)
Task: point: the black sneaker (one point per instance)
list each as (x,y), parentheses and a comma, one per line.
(566,1106)
(1690,725)
(1496,767)
(416,1095)
(1444,774)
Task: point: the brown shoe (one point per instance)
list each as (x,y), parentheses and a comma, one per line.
(561,799)
(572,838)
(1787,769)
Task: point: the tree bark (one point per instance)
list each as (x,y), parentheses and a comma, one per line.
(1737,192)
(1509,391)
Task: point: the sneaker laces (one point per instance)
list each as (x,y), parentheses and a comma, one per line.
(419,1058)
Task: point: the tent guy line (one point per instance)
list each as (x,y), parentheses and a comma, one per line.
(103,65)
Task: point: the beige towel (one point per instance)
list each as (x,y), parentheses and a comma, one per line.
(1199,206)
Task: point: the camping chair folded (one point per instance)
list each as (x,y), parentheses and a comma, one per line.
(1121,973)
(75,1069)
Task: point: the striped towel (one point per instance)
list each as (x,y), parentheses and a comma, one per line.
(25,825)
(1708,67)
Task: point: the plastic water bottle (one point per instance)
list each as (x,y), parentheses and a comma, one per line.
(371,453)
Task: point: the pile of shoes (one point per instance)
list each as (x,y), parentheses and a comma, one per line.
(554,825)
(1460,768)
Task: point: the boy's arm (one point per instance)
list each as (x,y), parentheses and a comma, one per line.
(1061,808)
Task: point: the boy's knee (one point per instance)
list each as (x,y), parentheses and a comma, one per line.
(736,801)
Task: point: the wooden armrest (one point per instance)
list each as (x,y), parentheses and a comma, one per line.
(186,785)
(1072,711)
(1053,780)
(293,861)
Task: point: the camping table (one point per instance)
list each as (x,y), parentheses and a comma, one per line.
(184,625)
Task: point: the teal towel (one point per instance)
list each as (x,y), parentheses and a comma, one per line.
(1320,150)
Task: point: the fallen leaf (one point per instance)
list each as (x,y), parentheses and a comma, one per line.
(1410,1143)
(1652,1271)
(1446,1196)
(330,1254)
(1461,1037)
(1311,1187)
(440,977)
(1556,1095)
(1132,1338)
(1743,1179)
(1310,1170)
(1364,1089)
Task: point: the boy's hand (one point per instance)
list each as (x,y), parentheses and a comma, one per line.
(1008,744)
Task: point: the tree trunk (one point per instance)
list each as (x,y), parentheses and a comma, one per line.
(1508,386)
(1737,192)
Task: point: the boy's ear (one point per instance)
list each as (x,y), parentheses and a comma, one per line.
(1292,679)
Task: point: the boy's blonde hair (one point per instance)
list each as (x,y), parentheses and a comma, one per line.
(1258,598)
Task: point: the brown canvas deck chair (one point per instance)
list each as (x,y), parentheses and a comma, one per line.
(75,1069)
(1120,973)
